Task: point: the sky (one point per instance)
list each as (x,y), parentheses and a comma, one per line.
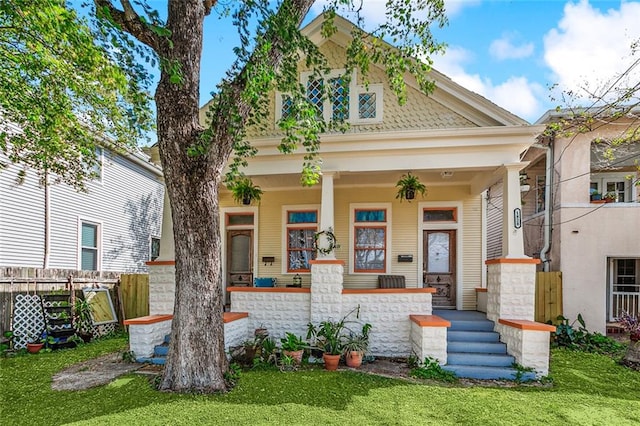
(520,54)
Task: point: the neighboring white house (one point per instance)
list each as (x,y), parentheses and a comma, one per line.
(596,245)
(115,226)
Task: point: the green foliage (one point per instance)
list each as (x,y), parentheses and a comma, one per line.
(431,369)
(331,337)
(291,342)
(244,191)
(64,92)
(232,376)
(408,185)
(580,339)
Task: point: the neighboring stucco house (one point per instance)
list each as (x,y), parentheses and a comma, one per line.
(595,245)
(114,226)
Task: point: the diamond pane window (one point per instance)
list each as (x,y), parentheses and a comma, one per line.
(314,94)
(301,230)
(339,99)
(287,106)
(367,105)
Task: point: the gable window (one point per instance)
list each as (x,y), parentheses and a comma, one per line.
(301,228)
(370,240)
(89,246)
(336,100)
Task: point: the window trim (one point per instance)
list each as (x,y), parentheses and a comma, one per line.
(387,225)
(98,224)
(454,209)
(286,209)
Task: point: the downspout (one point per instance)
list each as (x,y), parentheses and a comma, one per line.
(548,205)
(47,221)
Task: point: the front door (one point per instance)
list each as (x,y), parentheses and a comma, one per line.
(439,266)
(240,257)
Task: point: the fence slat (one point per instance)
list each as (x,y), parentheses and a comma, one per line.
(548,296)
(135,295)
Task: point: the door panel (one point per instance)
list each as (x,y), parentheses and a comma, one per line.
(439,266)
(240,258)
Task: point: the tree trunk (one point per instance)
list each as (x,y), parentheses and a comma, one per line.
(196,360)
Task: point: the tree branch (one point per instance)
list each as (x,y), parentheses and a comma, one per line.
(130,22)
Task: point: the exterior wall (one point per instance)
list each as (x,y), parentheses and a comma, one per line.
(511,289)
(162,287)
(530,348)
(406,238)
(429,342)
(127,202)
(144,337)
(494,221)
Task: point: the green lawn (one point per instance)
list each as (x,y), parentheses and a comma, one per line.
(588,390)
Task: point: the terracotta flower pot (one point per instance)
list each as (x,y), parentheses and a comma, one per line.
(296,355)
(331,362)
(353,359)
(34,348)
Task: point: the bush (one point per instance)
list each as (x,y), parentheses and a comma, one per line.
(431,369)
(580,339)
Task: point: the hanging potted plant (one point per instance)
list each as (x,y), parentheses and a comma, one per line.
(408,186)
(244,191)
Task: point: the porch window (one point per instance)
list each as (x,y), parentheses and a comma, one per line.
(370,240)
(440,214)
(301,229)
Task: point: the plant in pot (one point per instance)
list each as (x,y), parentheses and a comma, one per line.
(631,325)
(408,186)
(293,346)
(35,342)
(82,319)
(356,345)
(244,191)
(328,338)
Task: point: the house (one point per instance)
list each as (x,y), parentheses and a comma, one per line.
(596,245)
(114,226)
(456,142)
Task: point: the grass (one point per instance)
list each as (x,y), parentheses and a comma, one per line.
(587,389)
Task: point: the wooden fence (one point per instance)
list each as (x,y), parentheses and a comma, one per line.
(548,296)
(135,295)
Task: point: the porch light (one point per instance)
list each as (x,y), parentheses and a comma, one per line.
(446,174)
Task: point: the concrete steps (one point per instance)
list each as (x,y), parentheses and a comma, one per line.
(474,350)
(159,354)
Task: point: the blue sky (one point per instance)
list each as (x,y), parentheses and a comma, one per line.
(511,52)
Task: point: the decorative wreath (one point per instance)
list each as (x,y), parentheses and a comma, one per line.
(331,239)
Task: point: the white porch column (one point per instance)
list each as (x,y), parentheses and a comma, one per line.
(326,212)
(512,232)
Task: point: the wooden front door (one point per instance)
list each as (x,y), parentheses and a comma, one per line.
(439,266)
(240,257)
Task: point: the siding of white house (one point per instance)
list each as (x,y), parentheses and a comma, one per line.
(126,202)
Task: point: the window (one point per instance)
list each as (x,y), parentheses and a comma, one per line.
(615,190)
(154,249)
(336,100)
(615,187)
(237,219)
(89,246)
(440,214)
(370,240)
(302,226)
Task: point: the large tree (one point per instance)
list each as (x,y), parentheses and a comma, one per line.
(194,156)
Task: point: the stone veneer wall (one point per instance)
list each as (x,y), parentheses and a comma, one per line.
(429,342)
(277,310)
(388,312)
(162,287)
(530,347)
(511,286)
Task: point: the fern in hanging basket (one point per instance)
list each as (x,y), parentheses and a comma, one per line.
(408,186)
(244,191)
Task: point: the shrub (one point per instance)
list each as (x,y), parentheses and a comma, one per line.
(580,339)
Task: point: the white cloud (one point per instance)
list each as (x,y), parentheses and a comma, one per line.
(590,48)
(517,94)
(504,48)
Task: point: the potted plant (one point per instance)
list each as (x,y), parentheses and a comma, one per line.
(244,191)
(82,319)
(36,342)
(355,346)
(293,346)
(408,186)
(610,197)
(631,325)
(328,338)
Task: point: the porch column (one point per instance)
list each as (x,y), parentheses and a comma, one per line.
(512,233)
(326,213)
